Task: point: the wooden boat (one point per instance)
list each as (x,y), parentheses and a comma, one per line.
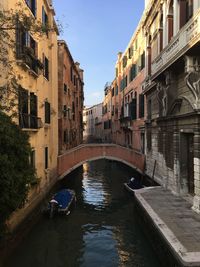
(61,202)
(133,185)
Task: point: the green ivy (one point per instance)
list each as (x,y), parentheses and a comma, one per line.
(16,173)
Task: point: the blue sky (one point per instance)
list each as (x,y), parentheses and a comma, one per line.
(95,31)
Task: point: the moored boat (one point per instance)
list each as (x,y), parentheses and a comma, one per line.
(133,185)
(61,202)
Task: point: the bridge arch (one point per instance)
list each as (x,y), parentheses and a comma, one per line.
(77,156)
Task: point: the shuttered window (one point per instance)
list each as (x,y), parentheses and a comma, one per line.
(141,106)
(133,72)
(133,109)
(33,111)
(46,157)
(32,5)
(47,112)
(46,67)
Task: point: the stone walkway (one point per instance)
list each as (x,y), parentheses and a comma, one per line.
(176,222)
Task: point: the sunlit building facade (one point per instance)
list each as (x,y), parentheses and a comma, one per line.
(171,87)
(70,99)
(92,118)
(34,64)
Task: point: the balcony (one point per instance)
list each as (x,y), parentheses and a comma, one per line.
(187,37)
(28,60)
(125,122)
(27,121)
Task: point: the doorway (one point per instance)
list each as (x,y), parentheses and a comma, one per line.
(187,162)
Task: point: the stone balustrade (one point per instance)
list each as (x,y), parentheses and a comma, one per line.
(188,36)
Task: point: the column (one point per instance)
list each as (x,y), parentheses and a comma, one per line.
(176,17)
(196,200)
(196,5)
(165,41)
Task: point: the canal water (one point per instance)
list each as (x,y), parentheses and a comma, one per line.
(101,231)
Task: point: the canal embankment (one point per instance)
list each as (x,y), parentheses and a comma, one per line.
(171,225)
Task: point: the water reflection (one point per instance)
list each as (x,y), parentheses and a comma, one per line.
(95,192)
(102,231)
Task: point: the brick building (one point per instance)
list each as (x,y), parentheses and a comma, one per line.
(70,99)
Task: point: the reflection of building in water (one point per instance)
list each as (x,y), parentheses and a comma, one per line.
(96,191)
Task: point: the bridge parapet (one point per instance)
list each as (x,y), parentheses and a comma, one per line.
(75,157)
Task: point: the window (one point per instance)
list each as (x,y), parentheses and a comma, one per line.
(65,88)
(113,91)
(116,72)
(32,158)
(71,73)
(26,49)
(130,52)
(133,109)
(123,83)
(116,90)
(149,111)
(47,112)
(46,67)
(141,106)
(27,105)
(124,61)
(46,157)
(33,111)
(23,109)
(65,111)
(65,137)
(32,5)
(44,17)
(143,60)
(132,72)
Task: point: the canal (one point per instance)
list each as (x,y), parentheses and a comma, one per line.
(101,231)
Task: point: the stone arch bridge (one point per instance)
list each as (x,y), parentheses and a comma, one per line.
(75,157)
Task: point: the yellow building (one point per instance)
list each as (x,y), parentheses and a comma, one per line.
(35,60)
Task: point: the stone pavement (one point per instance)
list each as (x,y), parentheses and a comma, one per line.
(176,222)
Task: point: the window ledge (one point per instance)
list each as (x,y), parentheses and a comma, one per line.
(26,67)
(29,130)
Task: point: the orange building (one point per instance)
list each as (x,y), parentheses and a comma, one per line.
(70,99)
(124,101)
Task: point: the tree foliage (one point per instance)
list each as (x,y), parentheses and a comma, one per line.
(16,174)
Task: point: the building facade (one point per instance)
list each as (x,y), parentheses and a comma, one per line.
(124,103)
(171,87)
(35,61)
(92,118)
(70,99)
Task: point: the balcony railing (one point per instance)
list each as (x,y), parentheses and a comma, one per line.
(188,36)
(27,121)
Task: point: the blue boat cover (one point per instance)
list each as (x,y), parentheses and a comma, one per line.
(63,198)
